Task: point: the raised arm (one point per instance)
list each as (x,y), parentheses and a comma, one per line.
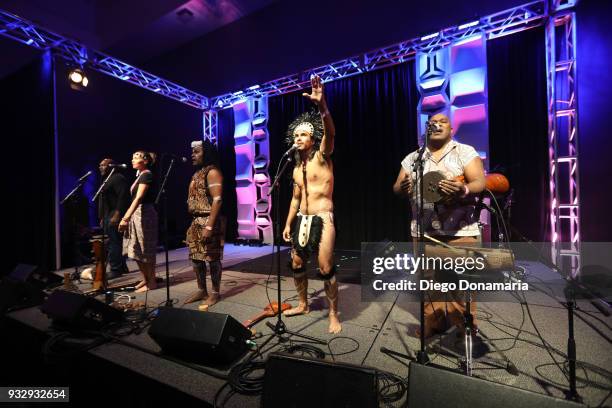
(294,206)
(317,96)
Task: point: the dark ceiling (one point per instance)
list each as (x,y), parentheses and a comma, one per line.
(134,30)
(217,46)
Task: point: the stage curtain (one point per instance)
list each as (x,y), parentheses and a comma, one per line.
(518,143)
(28,173)
(227,158)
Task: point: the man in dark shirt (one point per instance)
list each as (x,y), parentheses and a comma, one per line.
(111,205)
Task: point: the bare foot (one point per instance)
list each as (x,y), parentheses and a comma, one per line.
(211,299)
(300,309)
(140,284)
(334,323)
(149,286)
(196,297)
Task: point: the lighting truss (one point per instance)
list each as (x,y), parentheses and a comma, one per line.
(495,25)
(31,34)
(563,137)
(210,125)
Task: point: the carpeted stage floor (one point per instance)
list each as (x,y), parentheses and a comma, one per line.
(371,326)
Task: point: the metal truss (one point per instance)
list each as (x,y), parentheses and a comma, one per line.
(210,119)
(495,25)
(30,34)
(563,136)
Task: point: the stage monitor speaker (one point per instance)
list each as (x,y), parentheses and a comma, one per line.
(75,310)
(22,288)
(38,277)
(432,387)
(203,337)
(298,381)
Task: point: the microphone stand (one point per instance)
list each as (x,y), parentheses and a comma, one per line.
(162,190)
(100,193)
(71,198)
(280,328)
(419,165)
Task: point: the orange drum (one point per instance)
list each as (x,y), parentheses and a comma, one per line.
(496,183)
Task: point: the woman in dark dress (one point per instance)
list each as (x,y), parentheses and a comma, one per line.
(139,223)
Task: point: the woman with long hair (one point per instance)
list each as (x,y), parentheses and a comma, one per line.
(139,222)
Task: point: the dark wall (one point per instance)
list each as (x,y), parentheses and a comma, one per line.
(290,36)
(113,118)
(26,115)
(594,98)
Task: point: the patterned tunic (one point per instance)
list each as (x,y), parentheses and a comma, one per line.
(199,205)
(455,219)
(140,239)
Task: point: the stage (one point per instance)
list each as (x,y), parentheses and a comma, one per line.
(369,326)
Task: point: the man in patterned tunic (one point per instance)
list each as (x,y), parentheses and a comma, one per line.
(206,235)
(451,221)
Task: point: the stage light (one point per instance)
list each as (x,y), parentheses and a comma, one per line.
(78,79)
(220,103)
(254,87)
(430,36)
(468,25)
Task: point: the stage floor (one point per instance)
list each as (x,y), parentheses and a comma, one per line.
(376,325)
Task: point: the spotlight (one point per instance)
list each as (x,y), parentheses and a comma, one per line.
(78,79)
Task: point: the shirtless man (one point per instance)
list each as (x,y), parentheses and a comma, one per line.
(310,222)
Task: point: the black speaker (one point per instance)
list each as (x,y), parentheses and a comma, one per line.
(431,387)
(203,337)
(298,381)
(76,310)
(23,287)
(18,295)
(38,277)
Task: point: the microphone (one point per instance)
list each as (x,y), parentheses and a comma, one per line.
(291,150)
(84,177)
(118,165)
(431,127)
(181,159)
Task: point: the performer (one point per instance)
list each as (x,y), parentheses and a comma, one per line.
(139,223)
(450,221)
(310,222)
(206,235)
(116,201)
